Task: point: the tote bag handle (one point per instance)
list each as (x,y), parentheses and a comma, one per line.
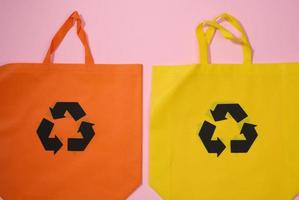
(59,36)
(205,37)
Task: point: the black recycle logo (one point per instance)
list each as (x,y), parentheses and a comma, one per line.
(237,146)
(74,144)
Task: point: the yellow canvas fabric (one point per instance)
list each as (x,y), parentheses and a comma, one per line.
(225,131)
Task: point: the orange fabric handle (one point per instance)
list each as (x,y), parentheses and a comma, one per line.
(68,24)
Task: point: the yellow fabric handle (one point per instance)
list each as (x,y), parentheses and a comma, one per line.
(205,37)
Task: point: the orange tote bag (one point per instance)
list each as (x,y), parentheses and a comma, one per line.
(70,131)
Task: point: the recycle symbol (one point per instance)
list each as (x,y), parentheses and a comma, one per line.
(237,146)
(74,144)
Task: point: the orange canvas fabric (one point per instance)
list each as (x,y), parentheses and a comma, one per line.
(70,131)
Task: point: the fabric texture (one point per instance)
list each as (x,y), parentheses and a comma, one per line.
(225,131)
(70,131)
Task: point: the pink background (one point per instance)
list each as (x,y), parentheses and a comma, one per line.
(148,32)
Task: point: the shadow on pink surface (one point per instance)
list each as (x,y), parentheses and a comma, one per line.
(144,192)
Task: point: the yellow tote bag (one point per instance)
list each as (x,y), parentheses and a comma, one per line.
(225,131)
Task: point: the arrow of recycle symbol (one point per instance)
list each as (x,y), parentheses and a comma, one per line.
(237,146)
(74,144)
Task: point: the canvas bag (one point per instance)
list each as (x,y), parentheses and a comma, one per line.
(70,131)
(225,131)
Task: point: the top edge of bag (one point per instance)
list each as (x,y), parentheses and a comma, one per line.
(226,64)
